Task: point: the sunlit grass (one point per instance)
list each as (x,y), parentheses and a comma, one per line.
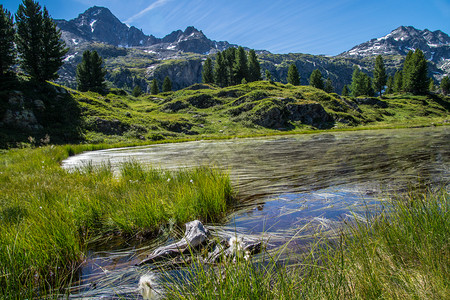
(49,215)
(401,253)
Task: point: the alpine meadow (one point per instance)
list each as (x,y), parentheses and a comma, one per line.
(134,166)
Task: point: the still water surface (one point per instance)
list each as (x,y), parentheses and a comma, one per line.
(284,183)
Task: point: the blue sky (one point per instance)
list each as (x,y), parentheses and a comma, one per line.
(316,26)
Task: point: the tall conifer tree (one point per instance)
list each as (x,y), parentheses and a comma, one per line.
(368,85)
(254,69)
(220,70)
(315,80)
(7,51)
(379,75)
(84,73)
(431,86)
(398,82)
(229,56)
(90,73)
(268,76)
(406,72)
(359,83)
(207,73)
(167,85)
(137,91)
(39,42)
(390,85)
(328,86)
(240,66)
(154,90)
(418,80)
(293,77)
(54,48)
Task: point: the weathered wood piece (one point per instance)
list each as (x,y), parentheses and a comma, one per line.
(196,235)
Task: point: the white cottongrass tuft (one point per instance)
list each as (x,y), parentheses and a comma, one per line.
(236,244)
(148,287)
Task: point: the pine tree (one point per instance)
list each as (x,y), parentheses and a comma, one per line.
(315,80)
(229,56)
(98,72)
(268,76)
(390,85)
(359,83)
(207,73)
(407,70)
(293,77)
(84,73)
(137,91)
(90,73)
(39,42)
(368,85)
(418,78)
(7,51)
(154,90)
(398,82)
(240,66)
(54,48)
(345,91)
(167,85)
(328,86)
(254,69)
(379,75)
(431,86)
(220,71)
(445,85)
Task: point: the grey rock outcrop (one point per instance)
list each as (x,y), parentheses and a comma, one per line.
(18,116)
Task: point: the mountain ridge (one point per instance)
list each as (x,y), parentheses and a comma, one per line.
(401,40)
(134,58)
(98,24)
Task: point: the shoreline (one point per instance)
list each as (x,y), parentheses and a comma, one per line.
(74,149)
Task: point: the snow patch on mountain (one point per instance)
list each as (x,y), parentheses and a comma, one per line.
(92,25)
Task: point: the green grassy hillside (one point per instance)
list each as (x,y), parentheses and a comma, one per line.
(62,115)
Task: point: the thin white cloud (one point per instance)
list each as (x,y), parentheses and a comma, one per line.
(154,5)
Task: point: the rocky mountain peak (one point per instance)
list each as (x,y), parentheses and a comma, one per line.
(434,44)
(98,24)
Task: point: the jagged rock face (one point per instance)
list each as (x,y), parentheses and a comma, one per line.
(183,73)
(434,44)
(98,24)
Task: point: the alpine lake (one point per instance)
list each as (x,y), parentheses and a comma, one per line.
(288,188)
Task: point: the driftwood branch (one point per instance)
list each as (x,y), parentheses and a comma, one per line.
(197,236)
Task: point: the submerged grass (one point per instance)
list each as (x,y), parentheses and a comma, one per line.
(49,215)
(401,253)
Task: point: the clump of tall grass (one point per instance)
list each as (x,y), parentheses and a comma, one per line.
(401,253)
(49,215)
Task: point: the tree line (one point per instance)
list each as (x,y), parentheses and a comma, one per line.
(232,66)
(412,78)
